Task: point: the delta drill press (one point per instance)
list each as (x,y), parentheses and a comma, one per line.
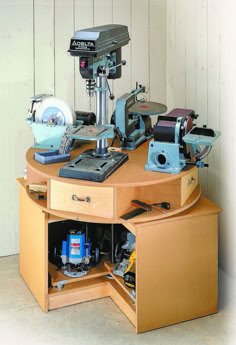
(99,49)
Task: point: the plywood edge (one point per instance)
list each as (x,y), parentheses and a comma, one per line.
(122,300)
(114,180)
(99,270)
(92,293)
(21,182)
(130,227)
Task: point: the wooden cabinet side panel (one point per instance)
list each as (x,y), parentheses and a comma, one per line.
(33,248)
(177,271)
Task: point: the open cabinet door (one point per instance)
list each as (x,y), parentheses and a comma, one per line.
(177,270)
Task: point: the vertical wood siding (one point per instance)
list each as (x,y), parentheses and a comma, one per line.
(35,37)
(201,74)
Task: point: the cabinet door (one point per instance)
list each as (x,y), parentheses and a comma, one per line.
(34,248)
(176,271)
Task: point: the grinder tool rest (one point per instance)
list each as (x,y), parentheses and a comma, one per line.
(99,50)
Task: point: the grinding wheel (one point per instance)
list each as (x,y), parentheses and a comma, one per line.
(54,111)
(147,108)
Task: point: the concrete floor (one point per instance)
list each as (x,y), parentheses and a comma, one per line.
(99,322)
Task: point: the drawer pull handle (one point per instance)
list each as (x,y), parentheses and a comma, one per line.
(192,181)
(76,198)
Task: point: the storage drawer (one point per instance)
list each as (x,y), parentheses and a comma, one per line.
(94,201)
(188,183)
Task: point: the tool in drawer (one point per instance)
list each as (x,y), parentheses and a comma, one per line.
(37,195)
(142,207)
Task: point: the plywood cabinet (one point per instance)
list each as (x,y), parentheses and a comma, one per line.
(176,265)
(176,251)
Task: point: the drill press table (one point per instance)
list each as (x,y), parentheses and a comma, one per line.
(176,263)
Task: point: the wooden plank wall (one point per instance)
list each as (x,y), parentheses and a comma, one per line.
(16,86)
(35,36)
(201,74)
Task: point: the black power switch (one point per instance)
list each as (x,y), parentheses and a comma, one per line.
(86,67)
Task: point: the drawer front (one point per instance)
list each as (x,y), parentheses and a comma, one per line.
(93,201)
(188,183)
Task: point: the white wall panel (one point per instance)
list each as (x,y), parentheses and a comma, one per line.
(103,14)
(191,54)
(16,87)
(122,15)
(44,46)
(180,54)
(170,53)
(84,18)
(139,32)
(202,76)
(209,36)
(157,52)
(64,62)
(213,99)
(228,139)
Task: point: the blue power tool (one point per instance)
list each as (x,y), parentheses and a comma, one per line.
(76,254)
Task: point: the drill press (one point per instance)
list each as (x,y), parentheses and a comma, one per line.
(99,49)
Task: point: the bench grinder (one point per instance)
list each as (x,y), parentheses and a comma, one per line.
(99,49)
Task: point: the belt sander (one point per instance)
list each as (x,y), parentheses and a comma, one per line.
(178,142)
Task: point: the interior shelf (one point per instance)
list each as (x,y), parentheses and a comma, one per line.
(58,276)
(118,279)
(78,285)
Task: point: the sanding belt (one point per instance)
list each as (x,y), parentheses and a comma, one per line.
(165,130)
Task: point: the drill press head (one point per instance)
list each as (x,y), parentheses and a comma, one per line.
(99,47)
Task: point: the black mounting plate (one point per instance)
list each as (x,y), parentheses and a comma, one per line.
(89,167)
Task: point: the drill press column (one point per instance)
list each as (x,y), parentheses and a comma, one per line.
(101,112)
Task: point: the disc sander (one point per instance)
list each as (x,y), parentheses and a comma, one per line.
(147,108)
(54,111)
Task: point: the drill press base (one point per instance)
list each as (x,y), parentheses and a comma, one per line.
(89,167)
